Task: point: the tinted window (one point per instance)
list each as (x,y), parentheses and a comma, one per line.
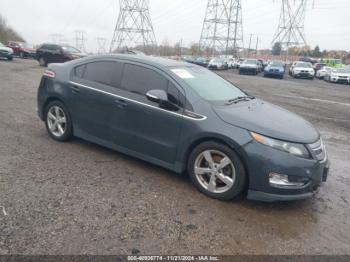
(140,80)
(175,96)
(100,72)
(79,71)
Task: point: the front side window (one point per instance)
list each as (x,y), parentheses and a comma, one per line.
(207,84)
(140,80)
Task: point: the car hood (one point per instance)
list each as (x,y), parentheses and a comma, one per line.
(269,120)
(6,49)
(249,66)
(341,74)
(303,68)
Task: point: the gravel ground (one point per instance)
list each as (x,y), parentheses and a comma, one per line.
(79,198)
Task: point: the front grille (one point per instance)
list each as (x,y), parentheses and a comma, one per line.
(4,52)
(320,151)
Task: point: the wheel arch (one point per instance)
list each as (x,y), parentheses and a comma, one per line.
(235,147)
(48,101)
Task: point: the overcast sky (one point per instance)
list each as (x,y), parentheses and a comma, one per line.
(327,24)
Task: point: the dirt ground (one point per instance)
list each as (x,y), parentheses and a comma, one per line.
(80,198)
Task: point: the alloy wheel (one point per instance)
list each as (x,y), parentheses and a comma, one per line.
(215,171)
(57,121)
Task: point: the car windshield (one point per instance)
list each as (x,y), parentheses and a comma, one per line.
(304,65)
(341,71)
(71,49)
(250,62)
(217,60)
(208,85)
(201,59)
(26,45)
(276,63)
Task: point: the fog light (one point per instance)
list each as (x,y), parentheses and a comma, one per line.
(278,180)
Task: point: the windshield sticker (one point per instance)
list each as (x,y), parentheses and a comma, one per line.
(183,73)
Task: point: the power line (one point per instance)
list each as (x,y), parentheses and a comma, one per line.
(80,40)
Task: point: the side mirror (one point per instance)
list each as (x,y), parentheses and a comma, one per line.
(157,96)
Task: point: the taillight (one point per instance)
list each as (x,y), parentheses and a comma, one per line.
(50,74)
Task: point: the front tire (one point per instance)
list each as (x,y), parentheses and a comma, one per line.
(21,55)
(58,121)
(216,171)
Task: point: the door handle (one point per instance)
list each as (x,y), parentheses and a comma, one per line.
(121,103)
(75,89)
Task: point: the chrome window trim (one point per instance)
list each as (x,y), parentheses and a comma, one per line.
(140,103)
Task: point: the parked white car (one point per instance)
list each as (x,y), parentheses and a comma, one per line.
(339,76)
(218,64)
(6,52)
(230,63)
(323,72)
(302,70)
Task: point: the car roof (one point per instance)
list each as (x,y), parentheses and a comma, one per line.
(150,60)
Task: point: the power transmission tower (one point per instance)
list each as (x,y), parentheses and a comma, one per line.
(101,45)
(80,40)
(290,31)
(222,28)
(134,27)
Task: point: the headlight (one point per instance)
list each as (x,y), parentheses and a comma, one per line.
(291,148)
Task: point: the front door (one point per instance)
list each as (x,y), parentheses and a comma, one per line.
(149,129)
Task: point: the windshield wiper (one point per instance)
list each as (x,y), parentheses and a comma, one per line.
(240,99)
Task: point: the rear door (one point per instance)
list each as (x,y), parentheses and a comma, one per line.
(92,102)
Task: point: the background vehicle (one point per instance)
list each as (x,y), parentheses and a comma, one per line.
(341,76)
(218,64)
(52,53)
(230,63)
(319,66)
(323,72)
(202,61)
(185,118)
(188,59)
(308,60)
(331,62)
(302,70)
(250,66)
(6,52)
(23,50)
(274,69)
(238,63)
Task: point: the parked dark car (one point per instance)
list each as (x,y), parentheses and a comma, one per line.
(275,69)
(250,66)
(185,118)
(202,61)
(23,50)
(52,53)
(188,59)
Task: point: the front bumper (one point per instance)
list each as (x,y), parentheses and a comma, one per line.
(304,75)
(247,70)
(6,55)
(339,80)
(273,73)
(263,160)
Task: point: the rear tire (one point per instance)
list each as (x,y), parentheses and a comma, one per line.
(223,177)
(58,121)
(10,58)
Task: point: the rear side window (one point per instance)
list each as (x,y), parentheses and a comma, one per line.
(79,71)
(140,80)
(100,72)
